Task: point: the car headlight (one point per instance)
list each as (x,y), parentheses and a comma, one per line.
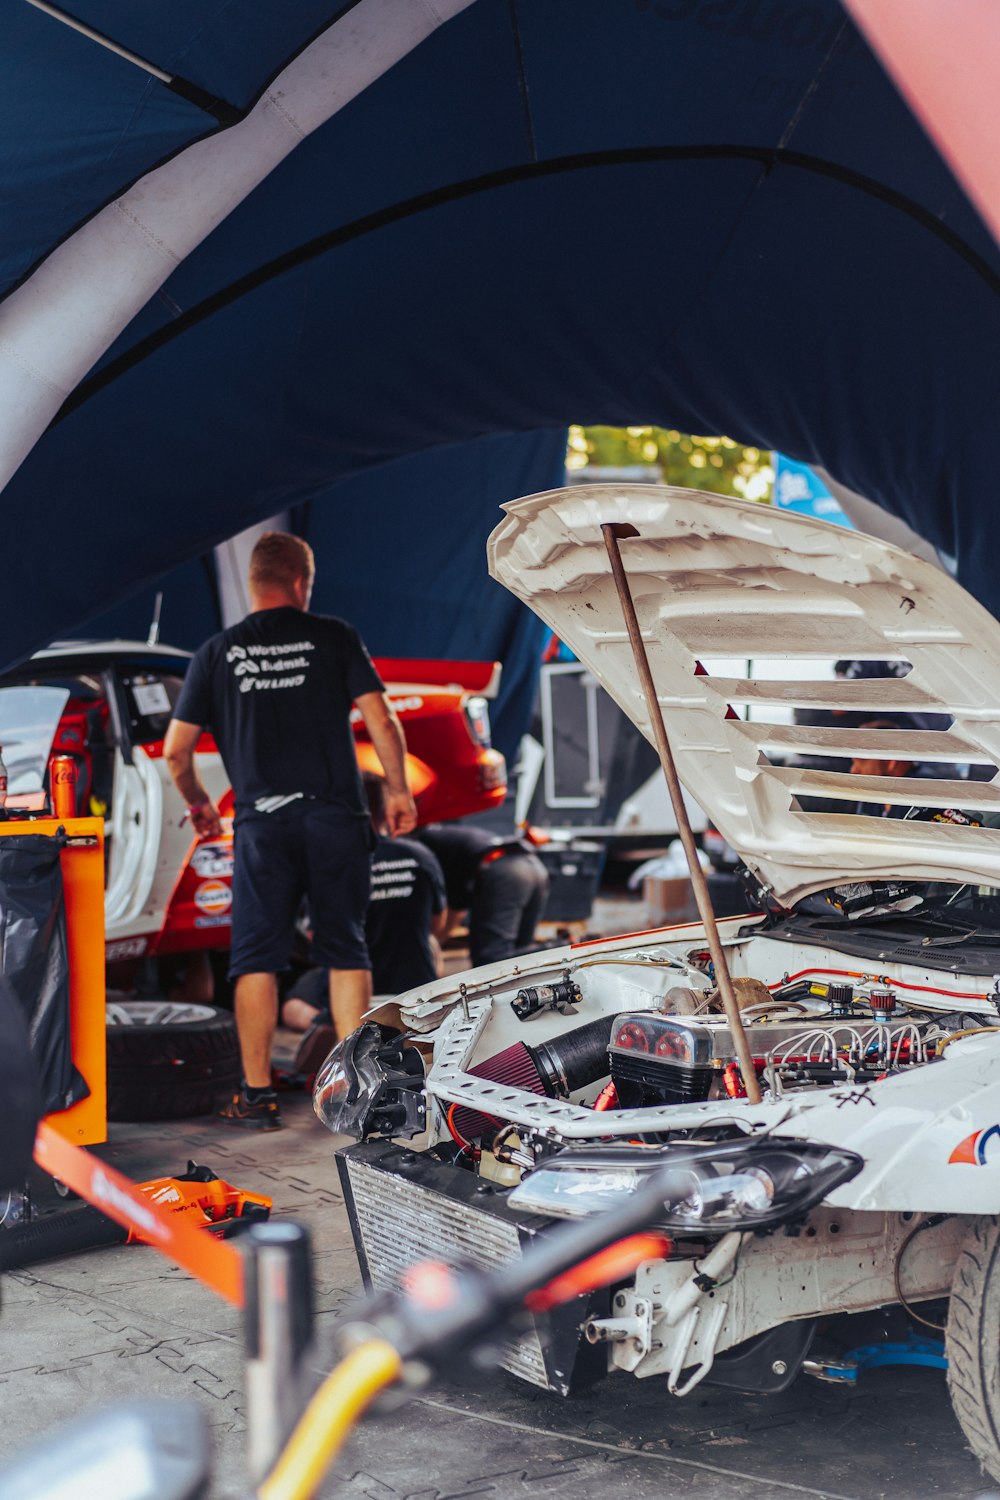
(371,1084)
(706,1189)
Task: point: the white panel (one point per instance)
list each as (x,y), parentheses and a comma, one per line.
(712,576)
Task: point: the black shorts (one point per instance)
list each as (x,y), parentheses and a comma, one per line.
(311,849)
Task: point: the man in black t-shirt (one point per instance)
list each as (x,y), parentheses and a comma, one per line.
(276,691)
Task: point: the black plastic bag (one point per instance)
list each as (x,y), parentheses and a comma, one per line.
(20,1106)
(34,959)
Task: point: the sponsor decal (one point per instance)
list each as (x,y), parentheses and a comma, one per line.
(223,921)
(248,662)
(406,705)
(151,698)
(105,1190)
(972,1151)
(212,859)
(125,948)
(166,1194)
(213,897)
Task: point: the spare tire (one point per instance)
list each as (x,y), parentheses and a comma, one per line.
(169,1061)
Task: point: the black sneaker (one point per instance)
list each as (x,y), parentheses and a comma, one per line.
(262,1114)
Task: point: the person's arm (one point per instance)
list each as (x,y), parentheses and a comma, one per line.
(178,751)
(386,734)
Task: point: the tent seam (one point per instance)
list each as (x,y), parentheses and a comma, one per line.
(29,369)
(506,177)
(272,101)
(136,225)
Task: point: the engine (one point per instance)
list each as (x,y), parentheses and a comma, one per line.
(657,1059)
(804,1035)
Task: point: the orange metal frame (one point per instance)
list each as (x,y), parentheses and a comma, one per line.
(83,882)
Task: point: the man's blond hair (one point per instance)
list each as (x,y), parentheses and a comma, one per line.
(279,560)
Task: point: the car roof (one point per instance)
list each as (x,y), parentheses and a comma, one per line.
(108,648)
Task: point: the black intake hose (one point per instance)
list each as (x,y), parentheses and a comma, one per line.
(575,1058)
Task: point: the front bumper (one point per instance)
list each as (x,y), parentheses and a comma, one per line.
(406,1206)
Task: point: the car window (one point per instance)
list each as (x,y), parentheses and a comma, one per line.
(29,717)
(149,698)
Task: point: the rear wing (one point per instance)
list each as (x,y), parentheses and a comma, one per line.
(480,677)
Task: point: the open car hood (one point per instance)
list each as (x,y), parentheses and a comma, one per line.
(715,577)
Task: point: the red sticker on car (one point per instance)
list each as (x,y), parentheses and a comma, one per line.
(972,1151)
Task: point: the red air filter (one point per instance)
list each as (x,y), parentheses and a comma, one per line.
(513,1068)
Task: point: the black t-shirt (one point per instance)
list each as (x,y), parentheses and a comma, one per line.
(276,692)
(407,890)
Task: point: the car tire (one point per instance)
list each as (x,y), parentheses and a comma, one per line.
(971,1341)
(168,1061)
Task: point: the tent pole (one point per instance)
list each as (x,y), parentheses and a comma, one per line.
(612,531)
(57,323)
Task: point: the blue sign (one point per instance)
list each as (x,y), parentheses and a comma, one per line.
(797,487)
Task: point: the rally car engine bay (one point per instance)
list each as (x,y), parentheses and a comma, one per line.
(553,1096)
(636,1037)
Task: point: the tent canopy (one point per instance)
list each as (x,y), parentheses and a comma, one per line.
(714,215)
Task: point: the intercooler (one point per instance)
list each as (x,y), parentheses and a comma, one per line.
(405,1207)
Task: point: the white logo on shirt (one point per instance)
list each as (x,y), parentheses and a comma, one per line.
(247,683)
(248,672)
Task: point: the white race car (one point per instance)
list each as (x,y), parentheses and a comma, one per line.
(868,974)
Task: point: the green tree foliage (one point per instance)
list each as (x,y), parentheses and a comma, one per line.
(697,463)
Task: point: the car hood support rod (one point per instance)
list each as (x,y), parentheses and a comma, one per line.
(613,530)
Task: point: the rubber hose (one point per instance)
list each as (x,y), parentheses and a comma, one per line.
(575,1058)
(65,1233)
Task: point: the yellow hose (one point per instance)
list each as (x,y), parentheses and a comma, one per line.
(953,1036)
(328,1419)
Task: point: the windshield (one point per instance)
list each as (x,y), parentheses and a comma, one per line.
(28,720)
(926,905)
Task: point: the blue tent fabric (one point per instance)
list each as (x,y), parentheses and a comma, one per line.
(716,215)
(413,584)
(82,123)
(190,609)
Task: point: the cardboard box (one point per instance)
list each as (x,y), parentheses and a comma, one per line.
(669,901)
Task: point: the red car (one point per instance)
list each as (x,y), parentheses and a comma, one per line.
(107,704)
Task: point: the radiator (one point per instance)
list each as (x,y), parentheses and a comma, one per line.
(401,1222)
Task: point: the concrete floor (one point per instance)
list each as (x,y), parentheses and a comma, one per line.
(120,1323)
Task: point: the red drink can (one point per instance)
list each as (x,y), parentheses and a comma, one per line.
(63,776)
